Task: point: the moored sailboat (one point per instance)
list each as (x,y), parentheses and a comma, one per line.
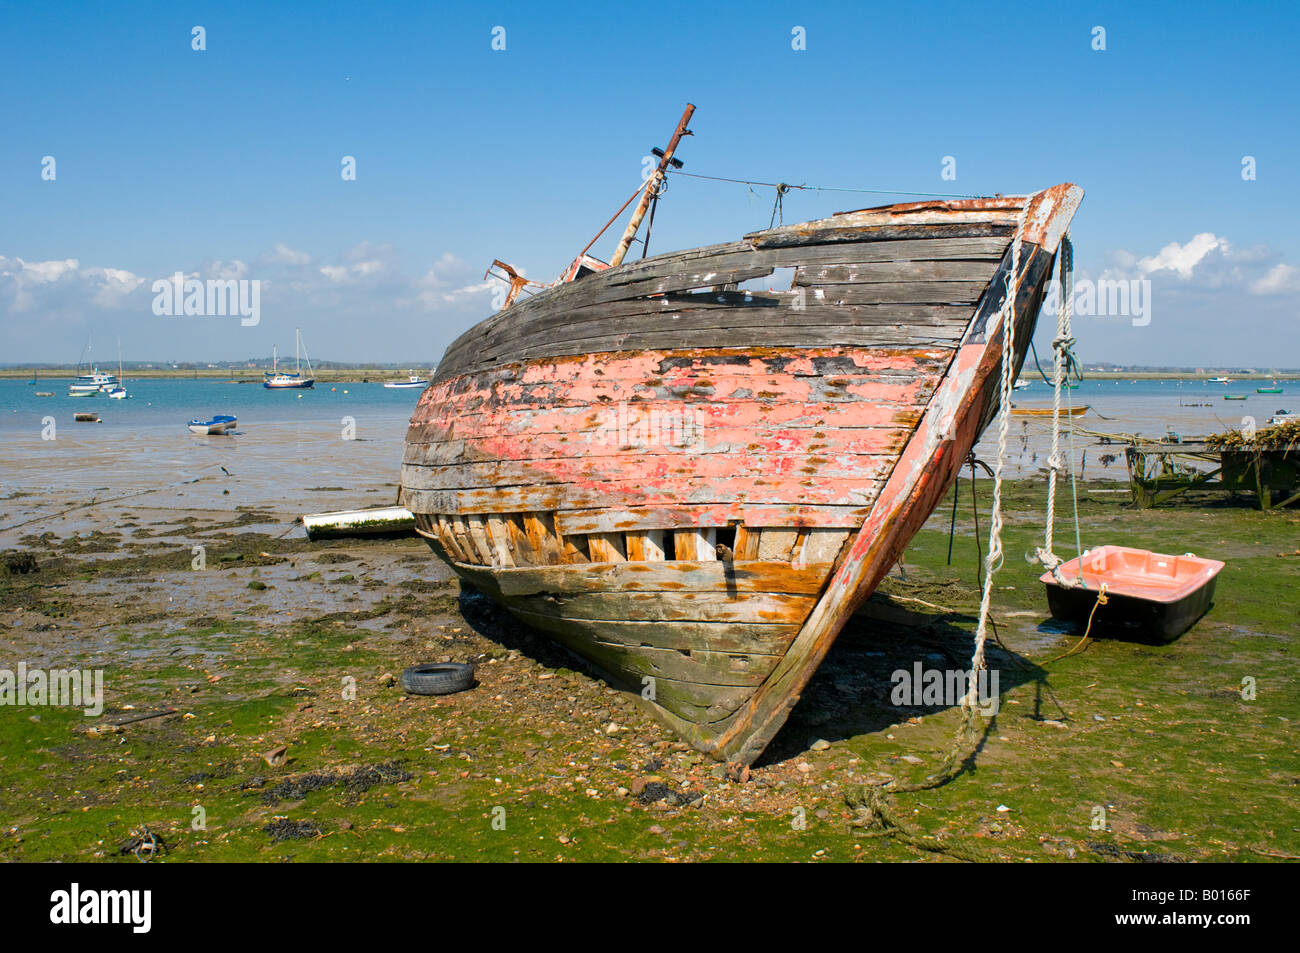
(278,380)
(118,390)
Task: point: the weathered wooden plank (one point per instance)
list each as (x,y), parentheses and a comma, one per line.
(784,608)
(923,305)
(644,518)
(575,549)
(653,545)
(725,579)
(620,374)
(606,548)
(684,409)
(540,530)
(837,329)
(922,249)
(852,233)
(460,530)
(830,334)
(753,638)
(810,493)
(774,467)
(635,547)
(695,543)
(960,294)
(642,435)
(823,545)
(427,530)
(479,537)
(747,538)
(797,551)
(815,323)
(760,302)
(704,700)
(896,271)
(826,314)
(776,544)
(525,552)
(448,535)
(500,541)
(699,707)
(700,667)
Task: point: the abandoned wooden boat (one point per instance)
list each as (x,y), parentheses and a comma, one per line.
(693,485)
(1150,597)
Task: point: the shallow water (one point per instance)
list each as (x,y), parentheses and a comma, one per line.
(293,442)
(287,442)
(1147,408)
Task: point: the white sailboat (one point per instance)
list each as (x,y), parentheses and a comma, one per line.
(118,391)
(275,380)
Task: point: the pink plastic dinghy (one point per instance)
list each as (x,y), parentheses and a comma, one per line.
(1151,597)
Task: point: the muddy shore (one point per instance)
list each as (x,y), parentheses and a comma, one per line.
(231,729)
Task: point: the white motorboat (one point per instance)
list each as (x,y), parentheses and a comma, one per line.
(412,380)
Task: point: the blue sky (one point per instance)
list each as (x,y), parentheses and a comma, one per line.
(226,162)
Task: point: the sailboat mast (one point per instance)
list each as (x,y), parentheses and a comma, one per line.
(310,372)
(652,187)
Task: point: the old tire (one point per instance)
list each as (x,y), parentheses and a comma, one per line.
(437,679)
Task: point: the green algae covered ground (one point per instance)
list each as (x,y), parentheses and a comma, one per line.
(265,723)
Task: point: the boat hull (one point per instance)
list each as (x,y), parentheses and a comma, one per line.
(221,424)
(1151,597)
(692,485)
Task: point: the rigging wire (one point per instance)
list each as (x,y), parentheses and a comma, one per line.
(827,188)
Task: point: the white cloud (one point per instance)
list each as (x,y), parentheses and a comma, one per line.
(1207,261)
(282,254)
(1182,259)
(60,283)
(1280,279)
(112,285)
(225,269)
(444,283)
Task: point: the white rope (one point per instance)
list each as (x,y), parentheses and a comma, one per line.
(1046,555)
(993,560)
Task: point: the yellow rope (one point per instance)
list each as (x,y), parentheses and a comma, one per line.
(1102,599)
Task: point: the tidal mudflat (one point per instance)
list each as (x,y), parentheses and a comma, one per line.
(251,708)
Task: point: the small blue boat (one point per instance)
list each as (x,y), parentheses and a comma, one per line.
(219,424)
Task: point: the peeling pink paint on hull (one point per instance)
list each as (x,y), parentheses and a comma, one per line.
(759,429)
